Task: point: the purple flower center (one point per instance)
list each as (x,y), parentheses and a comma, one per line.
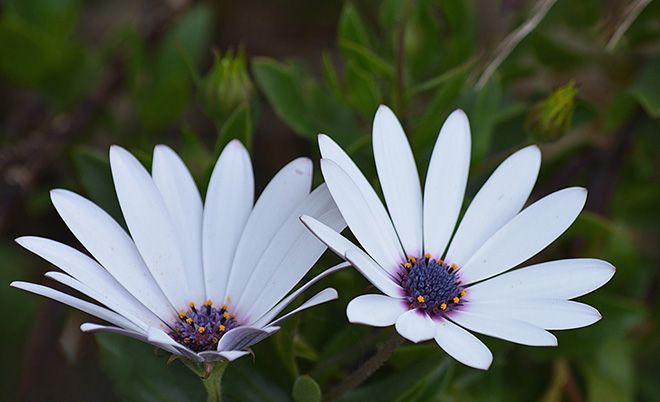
(431,285)
(200,329)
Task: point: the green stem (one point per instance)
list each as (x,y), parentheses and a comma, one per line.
(365,371)
(211,376)
(213,382)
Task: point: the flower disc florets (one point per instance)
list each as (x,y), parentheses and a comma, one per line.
(200,329)
(431,285)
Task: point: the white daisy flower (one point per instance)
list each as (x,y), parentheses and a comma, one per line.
(437,292)
(200,281)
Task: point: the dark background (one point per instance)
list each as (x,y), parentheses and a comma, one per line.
(77,76)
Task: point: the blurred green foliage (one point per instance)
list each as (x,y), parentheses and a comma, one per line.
(177,81)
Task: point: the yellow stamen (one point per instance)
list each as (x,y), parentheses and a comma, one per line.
(443,306)
(456,299)
(182,314)
(224,307)
(233,316)
(186,340)
(427,255)
(221,328)
(215,339)
(191,304)
(407,265)
(440,261)
(226,315)
(462,293)
(420,299)
(412,259)
(208,303)
(453,266)
(189,320)
(201,330)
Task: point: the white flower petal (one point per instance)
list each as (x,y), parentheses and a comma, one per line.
(562,279)
(415,325)
(228,204)
(91,274)
(445,182)
(279,307)
(525,235)
(375,310)
(360,260)
(159,338)
(277,202)
(544,313)
(184,206)
(368,267)
(331,151)
(92,328)
(499,199)
(462,345)
(243,337)
(321,297)
(399,179)
(289,256)
(504,328)
(82,305)
(112,248)
(149,223)
(99,297)
(369,229)
(213,356)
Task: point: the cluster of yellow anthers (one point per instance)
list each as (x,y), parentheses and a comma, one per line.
(185,316)
(452,267)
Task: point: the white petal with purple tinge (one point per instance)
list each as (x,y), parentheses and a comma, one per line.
(508,329)
(462,345)
(529,232)
(416,326)
(562,279)
(445,182)
(375,310)
(499,199)
(227,206)
(382,246)
(399,179)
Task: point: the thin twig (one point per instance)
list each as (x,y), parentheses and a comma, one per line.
(365,371)
(631,13)
(513,39)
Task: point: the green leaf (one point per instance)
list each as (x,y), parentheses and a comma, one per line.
(351,27)
(646,88)
(484,117)
(330,75)
(305,389)
(163,82)
(139,375)
(365,58)
(363,92)
(280,85)
(612,377)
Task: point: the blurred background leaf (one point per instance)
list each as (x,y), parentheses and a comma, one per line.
(79,76)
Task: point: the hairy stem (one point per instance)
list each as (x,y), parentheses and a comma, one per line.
(211,376)
(213,382)
(367,369)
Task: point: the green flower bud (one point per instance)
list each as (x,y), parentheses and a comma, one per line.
(227,85)
(551,117)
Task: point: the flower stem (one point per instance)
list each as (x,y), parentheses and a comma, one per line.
(213,382)
(365,371)
(211,376)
